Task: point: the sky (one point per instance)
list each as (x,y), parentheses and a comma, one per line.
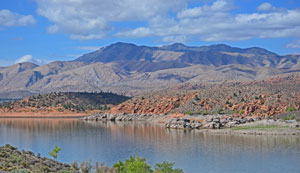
(42,31)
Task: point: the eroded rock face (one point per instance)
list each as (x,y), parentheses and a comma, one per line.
(263,99)
(158,104)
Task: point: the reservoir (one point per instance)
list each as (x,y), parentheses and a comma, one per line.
(191,151)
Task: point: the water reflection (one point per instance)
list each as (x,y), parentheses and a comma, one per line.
(193,151)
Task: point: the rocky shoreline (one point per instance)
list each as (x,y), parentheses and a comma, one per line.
(16,161)
(214,124)
(11,159)
(121,117)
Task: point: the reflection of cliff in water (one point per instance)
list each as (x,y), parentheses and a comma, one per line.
(157,134)
(142,132)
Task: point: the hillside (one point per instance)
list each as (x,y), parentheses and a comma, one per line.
(64,102)
(129,69)
(265,98)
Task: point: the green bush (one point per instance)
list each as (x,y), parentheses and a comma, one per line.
(166,167)
(290,108)
(242,111)
(189,112)
(205,113)
(139,165)
(285,118)
(290,117)
(133,165)
(220,111)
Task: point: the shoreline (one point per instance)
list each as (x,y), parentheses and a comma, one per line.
(41,115)
(254,132)
(208,124)
(165,120)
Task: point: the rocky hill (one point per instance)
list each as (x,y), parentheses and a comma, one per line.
(265,98)
(64,102)
(130,69)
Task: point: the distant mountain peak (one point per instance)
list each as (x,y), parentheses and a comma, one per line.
(178,44)
(221,45)
(121,44)
(175,47)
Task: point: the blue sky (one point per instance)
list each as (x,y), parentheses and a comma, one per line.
(42,31)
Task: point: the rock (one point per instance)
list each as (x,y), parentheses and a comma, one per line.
(27,160)
(229,118)
(218,125)
(209,119)
(242,121)
(231,124)
(216,120)
(210,125)
(186,120)
(290,121)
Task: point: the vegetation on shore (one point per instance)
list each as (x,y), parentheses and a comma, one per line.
(65,102)
(13,160)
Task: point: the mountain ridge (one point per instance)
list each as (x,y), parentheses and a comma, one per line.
(126,68)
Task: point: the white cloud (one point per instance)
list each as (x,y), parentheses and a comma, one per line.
(9,19)
(175,39)
(170,20)
(89,48)
(91,19)
(217,23)
(205,10)
(295,44)
(265,7)
(29,58)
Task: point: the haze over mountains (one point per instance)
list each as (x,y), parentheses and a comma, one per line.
(130,69)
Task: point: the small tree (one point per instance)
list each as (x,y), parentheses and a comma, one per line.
(54,152)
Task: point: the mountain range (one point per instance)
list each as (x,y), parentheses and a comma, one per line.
(129,69)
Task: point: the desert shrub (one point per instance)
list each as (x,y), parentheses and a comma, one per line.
(242,111)
(290,117)
(101,168)
(133,165)
(166,167)
(205,113)
(20,171)
(86,167)
(74,165)
(189,112)
(220,111)
(285,118)
(290,108)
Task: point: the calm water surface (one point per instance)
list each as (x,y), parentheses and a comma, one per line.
(191,151)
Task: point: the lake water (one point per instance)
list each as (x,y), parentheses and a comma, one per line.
(191,151)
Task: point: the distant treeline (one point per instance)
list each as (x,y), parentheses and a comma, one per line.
(73,101)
